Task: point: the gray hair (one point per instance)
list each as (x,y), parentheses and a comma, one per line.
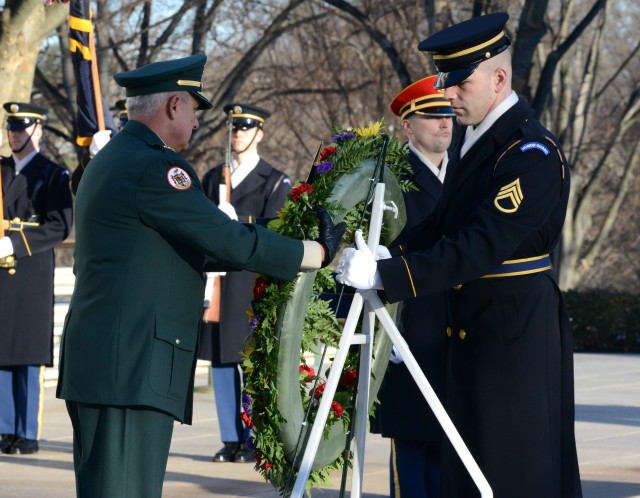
(146,106)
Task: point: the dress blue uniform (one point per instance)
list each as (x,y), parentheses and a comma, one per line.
(509,379)
(403,414)
(39,193)
(259,195)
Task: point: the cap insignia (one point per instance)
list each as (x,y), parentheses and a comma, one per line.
(509,197)
(178,178)
(189,83)
(14,108)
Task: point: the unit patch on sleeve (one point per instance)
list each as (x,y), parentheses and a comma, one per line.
(509,197)
(178,178)
(535,145)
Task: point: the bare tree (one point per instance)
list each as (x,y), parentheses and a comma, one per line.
(323,63)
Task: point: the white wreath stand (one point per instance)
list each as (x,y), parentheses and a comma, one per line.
(373,308)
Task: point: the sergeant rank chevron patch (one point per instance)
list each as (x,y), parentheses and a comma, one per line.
(509,197)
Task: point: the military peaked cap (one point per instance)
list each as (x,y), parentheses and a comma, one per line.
(246,116)
(459,49)
(21,115)
(421,97)
(167,76)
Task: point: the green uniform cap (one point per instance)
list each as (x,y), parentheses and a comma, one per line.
(167,76)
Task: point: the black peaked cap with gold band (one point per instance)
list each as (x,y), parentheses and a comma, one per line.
(246,116)
(421,97)
(459,49)
(21,115)
(167,76)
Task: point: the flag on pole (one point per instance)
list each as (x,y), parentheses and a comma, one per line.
(92,116)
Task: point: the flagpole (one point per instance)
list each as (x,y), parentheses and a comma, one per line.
(95,77)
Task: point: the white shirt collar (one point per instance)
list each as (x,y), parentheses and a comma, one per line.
(21,163)
(472,135)
(239,171)
(439,172)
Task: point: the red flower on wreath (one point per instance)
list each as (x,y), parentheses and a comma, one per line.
(248,422)
(348,379)
(327,152)
(309,371)
(320,390)
(305,188)
(337,409)
(266,465)
(259,288)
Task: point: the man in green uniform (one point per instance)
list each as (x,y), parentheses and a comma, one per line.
(144,229)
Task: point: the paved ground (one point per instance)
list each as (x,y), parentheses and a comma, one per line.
(607,429)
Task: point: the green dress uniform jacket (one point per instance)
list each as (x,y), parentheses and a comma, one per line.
(144,227)
(509,380)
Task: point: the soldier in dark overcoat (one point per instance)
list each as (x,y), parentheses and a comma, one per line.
(257,190)
(403,414)
(509,378)
(36,191)
(144,229)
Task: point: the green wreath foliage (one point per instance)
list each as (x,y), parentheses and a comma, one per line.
(347,152)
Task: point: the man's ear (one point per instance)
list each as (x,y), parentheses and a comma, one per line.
(500,78)
(172,106)
(259,136)
(406,126)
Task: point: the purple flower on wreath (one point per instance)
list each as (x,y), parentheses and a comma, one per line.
(246,403)
(324,167)
(344,136)
(253,323)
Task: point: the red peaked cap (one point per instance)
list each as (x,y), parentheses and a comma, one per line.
(421,97)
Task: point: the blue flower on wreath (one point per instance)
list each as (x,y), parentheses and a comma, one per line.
(344,136)
(324,167)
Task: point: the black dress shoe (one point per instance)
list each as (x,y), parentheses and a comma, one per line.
(244,455)
(227,453)
(22,446)
(5,442)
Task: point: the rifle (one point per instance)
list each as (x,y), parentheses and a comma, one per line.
(211,314)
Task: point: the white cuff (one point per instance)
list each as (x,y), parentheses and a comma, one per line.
(6,247)
(312,257)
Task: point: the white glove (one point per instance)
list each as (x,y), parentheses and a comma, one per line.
(6,247)
(383,253)
(98,141)
(229,210)
(357,268)
(395,357)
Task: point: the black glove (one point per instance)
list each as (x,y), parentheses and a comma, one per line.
(330,235)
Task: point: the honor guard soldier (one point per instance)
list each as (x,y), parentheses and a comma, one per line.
(256,190)
(144,229)
(36,215)
(403,414)
(509,378)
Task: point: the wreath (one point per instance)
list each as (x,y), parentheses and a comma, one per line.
(290,318)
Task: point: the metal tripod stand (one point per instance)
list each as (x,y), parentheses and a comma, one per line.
(368,302)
